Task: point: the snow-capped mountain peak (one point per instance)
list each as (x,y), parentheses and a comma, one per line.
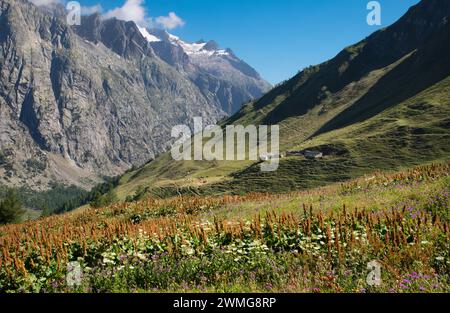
(147,35)
(196,48)
(199,48)
(217,72)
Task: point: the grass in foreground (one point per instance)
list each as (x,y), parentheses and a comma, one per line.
(189,244)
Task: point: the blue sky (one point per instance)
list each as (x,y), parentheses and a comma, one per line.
(276,37)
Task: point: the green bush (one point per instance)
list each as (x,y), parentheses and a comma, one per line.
(35,165)
(100,200)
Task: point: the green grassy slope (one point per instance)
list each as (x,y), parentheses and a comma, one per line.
(380,104)
(413,132)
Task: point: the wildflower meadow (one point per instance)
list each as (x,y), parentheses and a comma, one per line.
(202,244)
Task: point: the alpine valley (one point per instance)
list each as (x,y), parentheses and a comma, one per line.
(380,104)
(80,103)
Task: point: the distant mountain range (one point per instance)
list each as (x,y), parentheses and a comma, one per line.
(381,104)
(80,103)
(219,73)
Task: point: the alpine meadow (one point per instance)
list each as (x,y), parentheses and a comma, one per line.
(133,160)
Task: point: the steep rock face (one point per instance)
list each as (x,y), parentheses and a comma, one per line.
(123,38)
(223,79)
(73,108)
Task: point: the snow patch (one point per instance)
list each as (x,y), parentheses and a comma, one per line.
(221,52)
(195,49)
(147,35)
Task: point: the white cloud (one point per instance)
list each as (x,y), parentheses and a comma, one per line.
(85,10)
(44,2)
(134,10)
(171,21)
(92,9)
(131,10)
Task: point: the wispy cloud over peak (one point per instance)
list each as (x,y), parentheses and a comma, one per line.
(88,10)
(135,10)
(171,21)
(132,10)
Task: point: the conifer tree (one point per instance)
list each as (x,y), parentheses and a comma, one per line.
(10,208)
